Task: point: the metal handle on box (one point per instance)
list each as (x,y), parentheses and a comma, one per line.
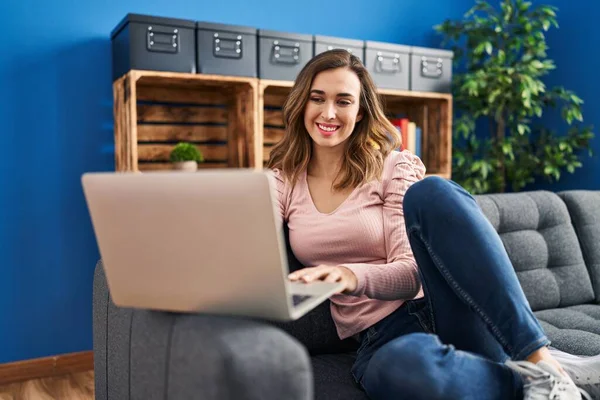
(281,56)
(380,63)
(431,67)
(162,39)
(227,47)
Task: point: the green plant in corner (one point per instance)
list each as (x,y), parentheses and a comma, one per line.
(185,152)
(504,55)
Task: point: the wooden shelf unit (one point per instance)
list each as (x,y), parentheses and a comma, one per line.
(155,110)
(235,121)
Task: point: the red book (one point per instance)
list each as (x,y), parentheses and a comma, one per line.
(402,123)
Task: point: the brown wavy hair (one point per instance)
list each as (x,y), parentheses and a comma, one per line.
(373,138)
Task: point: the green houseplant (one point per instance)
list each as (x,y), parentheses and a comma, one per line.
(186,156)
(501,59)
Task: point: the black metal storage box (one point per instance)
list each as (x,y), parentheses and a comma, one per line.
(283,55)
(431,70)
(388,63)
(226,49)
(153,43)
(325,43)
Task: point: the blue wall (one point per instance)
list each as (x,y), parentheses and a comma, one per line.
(573,46)
(56,123)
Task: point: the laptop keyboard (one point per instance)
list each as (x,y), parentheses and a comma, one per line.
(299,298)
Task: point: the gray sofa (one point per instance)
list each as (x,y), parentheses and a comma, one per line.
(552,238)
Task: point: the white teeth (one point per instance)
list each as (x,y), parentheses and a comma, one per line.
(328,129)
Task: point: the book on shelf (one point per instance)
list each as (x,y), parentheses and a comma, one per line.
(411,135)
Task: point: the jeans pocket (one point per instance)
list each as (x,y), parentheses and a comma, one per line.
(371,334)
(364,353)
(419,308)
(367,338)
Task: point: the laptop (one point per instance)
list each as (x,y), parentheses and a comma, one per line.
(202,242)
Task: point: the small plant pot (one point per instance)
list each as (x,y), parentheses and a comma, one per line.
(186,166)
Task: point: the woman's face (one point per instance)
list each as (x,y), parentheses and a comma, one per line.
(332,109)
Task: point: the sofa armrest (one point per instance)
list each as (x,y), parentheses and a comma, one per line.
(143,354)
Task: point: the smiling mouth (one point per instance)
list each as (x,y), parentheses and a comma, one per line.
(328,129)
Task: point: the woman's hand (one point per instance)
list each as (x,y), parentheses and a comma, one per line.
(327,273)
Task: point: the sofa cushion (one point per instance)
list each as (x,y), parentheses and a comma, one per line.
(333,379)
(540,240)
(575,329)
(584,208)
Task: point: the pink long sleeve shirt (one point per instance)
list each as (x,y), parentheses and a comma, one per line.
(366,233)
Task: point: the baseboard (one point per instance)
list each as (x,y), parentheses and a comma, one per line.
(46,367)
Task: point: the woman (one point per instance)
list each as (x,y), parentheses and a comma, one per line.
(363,214)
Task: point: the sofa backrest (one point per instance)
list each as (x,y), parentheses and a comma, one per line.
(584,208)
(541,242)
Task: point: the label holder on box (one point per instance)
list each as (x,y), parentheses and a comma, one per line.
(162,39)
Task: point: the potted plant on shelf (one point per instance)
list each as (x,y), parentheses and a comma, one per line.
(502,60)
(186,156)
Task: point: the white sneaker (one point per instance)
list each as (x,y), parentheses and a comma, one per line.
(584,371)
(543,382)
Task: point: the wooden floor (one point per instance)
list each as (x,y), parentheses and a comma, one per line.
(78,386)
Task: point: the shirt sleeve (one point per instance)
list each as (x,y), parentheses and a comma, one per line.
(398,279)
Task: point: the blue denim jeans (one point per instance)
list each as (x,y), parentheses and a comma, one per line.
(451,344)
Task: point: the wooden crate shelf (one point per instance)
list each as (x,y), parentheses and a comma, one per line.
(271,96)
(432,112)
(235,121)
(156,110)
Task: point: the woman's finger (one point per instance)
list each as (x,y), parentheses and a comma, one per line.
(315,273)
(298,274)
(333,276)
